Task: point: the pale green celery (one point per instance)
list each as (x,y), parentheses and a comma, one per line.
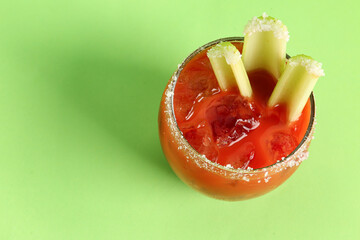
(296,84)
(265,45)
(229,70)
(222,70)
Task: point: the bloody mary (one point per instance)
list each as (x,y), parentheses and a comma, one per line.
(234,157)
(228,129)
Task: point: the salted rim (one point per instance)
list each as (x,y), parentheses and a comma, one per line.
(285,162)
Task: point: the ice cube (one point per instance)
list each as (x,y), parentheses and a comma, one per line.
(200,138)
(244,154)
(193,86)
(282,144)
(231,118)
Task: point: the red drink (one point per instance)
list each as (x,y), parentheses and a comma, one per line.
(241,149)
(227,128)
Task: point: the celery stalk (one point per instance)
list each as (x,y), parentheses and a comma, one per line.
(222,70)
(265,45)
(296,84)
(242,79)
(229,69)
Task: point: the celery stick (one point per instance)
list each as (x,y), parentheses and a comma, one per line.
(229,70)
(222,70)
(296,84)
(265,45)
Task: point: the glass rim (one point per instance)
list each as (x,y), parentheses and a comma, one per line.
(304,140)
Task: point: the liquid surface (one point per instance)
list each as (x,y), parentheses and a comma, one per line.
(229,129)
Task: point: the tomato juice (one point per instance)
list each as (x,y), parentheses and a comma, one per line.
(228,129)
(207,147)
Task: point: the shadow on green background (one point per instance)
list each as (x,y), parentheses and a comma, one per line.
(119,96)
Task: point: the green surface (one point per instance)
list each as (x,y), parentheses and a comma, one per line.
(80,86)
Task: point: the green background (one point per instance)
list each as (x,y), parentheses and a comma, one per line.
(80,86)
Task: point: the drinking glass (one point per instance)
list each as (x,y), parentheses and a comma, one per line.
(211,178)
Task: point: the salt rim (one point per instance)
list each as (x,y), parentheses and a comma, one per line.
(266,23)
(227,50)
(293,159)
(311,66)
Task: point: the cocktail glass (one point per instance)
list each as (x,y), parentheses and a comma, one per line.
(211,178)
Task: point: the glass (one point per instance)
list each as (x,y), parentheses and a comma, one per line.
(213,179)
